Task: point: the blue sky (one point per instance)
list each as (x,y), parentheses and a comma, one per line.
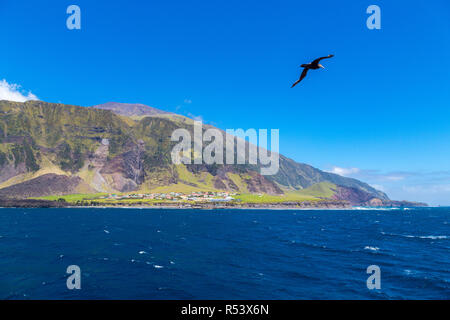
(379,112)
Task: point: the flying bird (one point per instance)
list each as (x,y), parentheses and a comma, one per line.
(313,66)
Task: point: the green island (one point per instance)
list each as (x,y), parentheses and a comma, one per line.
(119,154)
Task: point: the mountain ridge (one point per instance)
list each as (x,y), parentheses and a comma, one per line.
(130,109)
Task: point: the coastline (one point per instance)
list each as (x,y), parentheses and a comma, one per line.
(320,205)
(29,203)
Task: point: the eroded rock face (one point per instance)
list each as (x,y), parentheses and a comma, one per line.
(93,165)
(118,182)
(100,156)
(361,198)
(126,170)
(11,170)
(375,202)
(260,184)
(353,196)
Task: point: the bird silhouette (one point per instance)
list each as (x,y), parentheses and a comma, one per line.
(313,66)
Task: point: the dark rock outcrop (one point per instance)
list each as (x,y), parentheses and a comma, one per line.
(48,184)
(358,197)
(31,203)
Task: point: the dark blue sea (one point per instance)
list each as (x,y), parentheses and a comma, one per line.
(224,254)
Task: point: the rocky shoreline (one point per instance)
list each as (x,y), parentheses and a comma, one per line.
(29,203)
(324,205)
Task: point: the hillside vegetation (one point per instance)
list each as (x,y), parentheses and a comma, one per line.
(115,148)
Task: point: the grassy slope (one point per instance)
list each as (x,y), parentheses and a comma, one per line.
(322,190)
(238,181)
(73,197)
(314,193)
(202,181)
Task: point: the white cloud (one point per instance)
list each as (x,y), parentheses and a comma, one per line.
(13,92)
(394,178)
(371,174)
(345,171)
(187,101)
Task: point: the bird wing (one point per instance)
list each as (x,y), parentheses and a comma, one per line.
(315,62)
(302,76)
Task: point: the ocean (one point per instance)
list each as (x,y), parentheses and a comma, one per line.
(224,254)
